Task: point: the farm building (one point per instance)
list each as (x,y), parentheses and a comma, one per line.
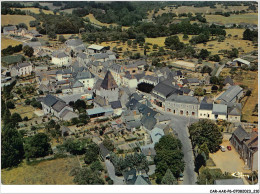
(96,48)
(232,94)
(241,62)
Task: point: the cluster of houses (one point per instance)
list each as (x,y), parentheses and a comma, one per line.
(22,32)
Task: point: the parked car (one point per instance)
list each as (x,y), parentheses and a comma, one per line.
(222,148)
(229,148)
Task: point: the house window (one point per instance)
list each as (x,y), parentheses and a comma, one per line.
(181,112)
(83,82)
(174,111)
(133,71)
(187,113)
(193,113)
(169,110)
(200,114)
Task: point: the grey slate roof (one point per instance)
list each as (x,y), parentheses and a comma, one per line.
(77,84)
(183,99)
(100,100)
(131,178)
(25,64)
(185,90)
(148,122)
(101,56)
(136,96)
(50,100)
(84,75)
(165,90)
(10,28)
(219,109)
(116,104)
(148,151)
(82,56)
(117,68)
(241,134)
(139,76)
(235,181)
(59,55)
(230,93)
(190,80)
(59,105)
(103,150)
(228,80)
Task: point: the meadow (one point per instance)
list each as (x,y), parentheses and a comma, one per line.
(16,19)
(5,42)
(193,10)
(52,172)
(23,111)
(251,18)
(93,20)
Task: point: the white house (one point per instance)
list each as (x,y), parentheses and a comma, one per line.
(86,78)
(61,59)
(22,69)
(129,80)
(117,72)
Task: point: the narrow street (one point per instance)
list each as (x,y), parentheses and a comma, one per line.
(111,171)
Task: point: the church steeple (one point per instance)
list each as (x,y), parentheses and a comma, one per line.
(108,82)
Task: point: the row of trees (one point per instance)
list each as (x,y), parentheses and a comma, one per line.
(12,49)
(168,156)
(205,138)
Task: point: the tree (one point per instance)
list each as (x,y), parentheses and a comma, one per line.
(28,51)
(52,35)
(168,156)
(62,39)
(250,35)
(205,131)
(215,58)
(92,152)
(16,118)
(185,37)
(129,42)
(199,92)
(169,179)
(23,25)
(10,105)
(85,176)
(145,87)
(206,69)
(80,105)
(203,53)
(173,42)
(109,144)
(96,166)
(12,150)
(75,146)
(37,146)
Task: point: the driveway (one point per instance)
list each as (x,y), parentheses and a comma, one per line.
(111,171)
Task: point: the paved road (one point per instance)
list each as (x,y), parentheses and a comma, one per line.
(111,171)
(179,124)
(219,70)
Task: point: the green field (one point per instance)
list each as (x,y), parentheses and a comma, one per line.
(52,172)
(251,18)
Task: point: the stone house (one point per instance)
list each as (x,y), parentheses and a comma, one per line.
(9,30)
(182,105)
(60,59)
(22,69)
(232,94)
(246,144)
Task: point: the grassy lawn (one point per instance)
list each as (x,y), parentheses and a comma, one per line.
(5,42)
(24,111)
(52,172)
(249,79)
(16,19)
(251,18)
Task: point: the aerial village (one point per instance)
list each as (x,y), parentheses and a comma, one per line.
(86,97)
